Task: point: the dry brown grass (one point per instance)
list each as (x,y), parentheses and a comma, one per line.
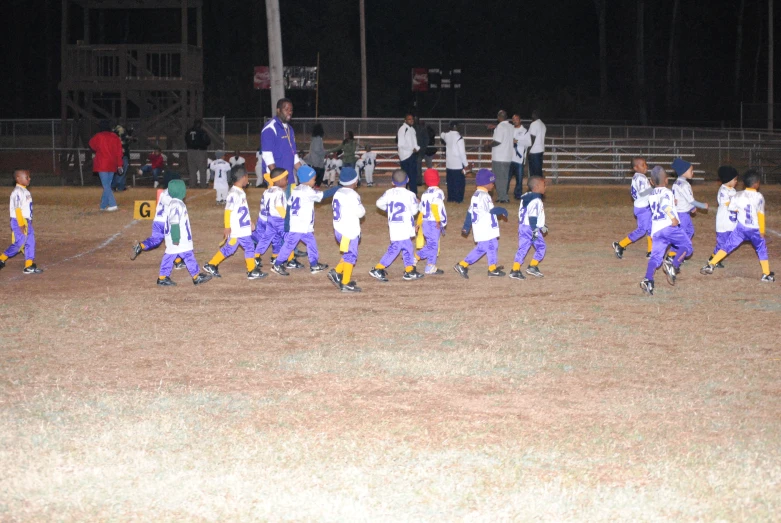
(573,397)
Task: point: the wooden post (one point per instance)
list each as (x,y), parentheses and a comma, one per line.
(770,123)
(364,102)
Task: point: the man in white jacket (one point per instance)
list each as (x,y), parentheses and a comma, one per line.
(407,143)
(455,163)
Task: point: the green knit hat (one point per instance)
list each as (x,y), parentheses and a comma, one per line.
(177,189)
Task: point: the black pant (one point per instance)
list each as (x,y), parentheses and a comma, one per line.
(410,166)
(319,173)
(516,171)
(456,184)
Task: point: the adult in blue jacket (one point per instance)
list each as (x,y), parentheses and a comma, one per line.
(278,142)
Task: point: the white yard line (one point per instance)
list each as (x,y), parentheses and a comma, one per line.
(775,233)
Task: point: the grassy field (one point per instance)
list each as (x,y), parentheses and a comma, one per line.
(571,397)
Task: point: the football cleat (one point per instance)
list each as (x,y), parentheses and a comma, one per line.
(648,255)
(166,282)
(534,271)
(412,275)
(349,287)
(496,273)
(461,270)
(619,250)
(335,278)
(280,269)
(379,274)
(719,265)
(708,269)
(258,262)
(669,271)
(647,286)
(517,275)
(769,277)
(136,251)
(213,270)
(2,264)
(317,267)
(294,264)
(256,274)
(32,269)
(201,278)
(432,269)
(180,265)
(299,254)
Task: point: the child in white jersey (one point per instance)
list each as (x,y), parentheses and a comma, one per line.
(348,211)
(433,220)
(531,229)
(22,232)
(726,220)
(639,190)
(401,205)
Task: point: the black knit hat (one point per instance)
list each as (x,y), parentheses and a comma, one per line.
(727,173)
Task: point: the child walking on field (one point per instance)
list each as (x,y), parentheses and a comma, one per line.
(22,232)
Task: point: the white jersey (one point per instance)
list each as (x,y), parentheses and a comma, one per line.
(538,130)
(273,197)
(302,208)
(176,214)
(236,161)
(162,205)
(749,204)
(433,196)
(402,206)
(368,161)
(535,209)
(521,140)
(334,164)
(726,220)
(348,211)
(241,224)
(662,203)
(639,185)
(503,135)
(484,224)
(684,197)
(221,170)
(22,199)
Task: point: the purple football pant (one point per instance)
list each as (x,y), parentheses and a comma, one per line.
(431,250)
(273,234)
(292,239)
(407,253)
(260,227)
(351,256)
(721,241)
(686,224)
(168,263)
(673,237)
(232,245)
(643,216)
(22,240)
(739,235)
(158,235)
(489,248)
(525,243)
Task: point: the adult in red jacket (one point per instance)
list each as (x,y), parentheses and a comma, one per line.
(107,161)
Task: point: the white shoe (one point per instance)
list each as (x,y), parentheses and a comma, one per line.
(156,184)
(112,208)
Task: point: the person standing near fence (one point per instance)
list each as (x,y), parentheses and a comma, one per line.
(316,156)
(502,155)
(455,163)
(407,144)
(537,131)
(521,142)
(278,142)
(197,142)
(125,136)
(107,161)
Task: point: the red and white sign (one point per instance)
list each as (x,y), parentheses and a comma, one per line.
(262,78)
(420,79)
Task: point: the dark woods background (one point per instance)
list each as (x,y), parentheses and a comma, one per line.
(680,61)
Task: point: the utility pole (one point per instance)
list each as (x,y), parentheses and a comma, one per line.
(276,69)
(770,65)
(364,103)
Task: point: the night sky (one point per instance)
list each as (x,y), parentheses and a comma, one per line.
(517,55)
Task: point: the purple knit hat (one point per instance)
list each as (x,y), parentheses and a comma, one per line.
(484,177)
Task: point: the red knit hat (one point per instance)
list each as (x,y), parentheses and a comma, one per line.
(431,177)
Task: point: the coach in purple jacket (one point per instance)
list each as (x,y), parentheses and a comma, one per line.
(278,142)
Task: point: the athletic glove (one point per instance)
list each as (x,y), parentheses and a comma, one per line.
(120,171)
